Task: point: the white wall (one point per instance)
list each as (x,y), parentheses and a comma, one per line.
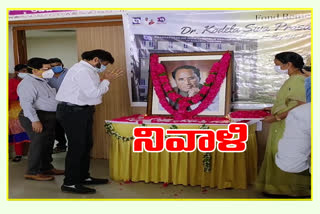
(63,47)
(10,47)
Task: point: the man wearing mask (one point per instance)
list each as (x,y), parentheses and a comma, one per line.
(80,91)
(38,118)
(59,73)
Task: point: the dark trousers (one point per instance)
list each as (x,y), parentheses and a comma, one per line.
(77,122)
(40,150)
(60,136)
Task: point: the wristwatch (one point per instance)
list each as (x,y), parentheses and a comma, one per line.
(277,117)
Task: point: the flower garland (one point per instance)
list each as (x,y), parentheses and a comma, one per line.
(206,161)
(206,94)
(249,114)
(110,131)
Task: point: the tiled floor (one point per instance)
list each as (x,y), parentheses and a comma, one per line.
(20,188)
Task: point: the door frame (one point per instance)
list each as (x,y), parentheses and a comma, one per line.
(19,28)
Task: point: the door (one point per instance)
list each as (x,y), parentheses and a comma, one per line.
(116,102)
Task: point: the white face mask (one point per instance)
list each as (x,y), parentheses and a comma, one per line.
(101,69)
(48,74)
(279,70)
(22,75)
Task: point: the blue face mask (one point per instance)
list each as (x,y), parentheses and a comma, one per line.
(57,69)
(307,86)
(102,68)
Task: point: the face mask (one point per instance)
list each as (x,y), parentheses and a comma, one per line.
(22,75)
(307,86)
(57,69)
(102,68)
(48,74)
(279,70)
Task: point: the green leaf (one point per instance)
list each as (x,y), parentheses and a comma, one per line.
(207,84)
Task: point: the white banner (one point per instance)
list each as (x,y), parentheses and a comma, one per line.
(254,36)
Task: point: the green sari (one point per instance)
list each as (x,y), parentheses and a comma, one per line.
(271,179)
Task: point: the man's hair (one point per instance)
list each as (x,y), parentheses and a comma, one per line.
(101,54)
(19,67)
(195,70)
(55,60)
(36,63)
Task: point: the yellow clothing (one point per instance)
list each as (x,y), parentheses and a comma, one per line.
(271,179)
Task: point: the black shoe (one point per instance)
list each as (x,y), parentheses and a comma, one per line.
(92,180)
(17,158)
(59,150)
(79,189)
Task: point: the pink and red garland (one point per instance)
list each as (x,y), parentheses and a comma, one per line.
(140,119)
(249,114)
(209,90)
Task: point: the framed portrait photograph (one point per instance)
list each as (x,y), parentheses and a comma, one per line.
(187,74)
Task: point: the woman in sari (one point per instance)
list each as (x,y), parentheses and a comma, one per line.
(272,180)
(17,135)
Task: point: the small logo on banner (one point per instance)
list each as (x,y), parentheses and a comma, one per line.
(136,20)
(161,20)
(149,21)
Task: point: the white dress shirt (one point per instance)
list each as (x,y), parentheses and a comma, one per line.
(82,85)
(294,149)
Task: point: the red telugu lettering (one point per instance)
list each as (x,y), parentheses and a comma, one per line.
(226,143)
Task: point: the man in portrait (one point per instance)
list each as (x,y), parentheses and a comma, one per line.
(187,78)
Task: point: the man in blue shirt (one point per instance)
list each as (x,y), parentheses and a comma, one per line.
(55,82)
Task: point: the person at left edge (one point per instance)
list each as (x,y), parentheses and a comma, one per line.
(17,135)
(38,118)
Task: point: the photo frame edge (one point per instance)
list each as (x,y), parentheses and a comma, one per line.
(228,82)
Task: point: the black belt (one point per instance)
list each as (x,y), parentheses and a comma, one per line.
(69,107)
(73,105)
